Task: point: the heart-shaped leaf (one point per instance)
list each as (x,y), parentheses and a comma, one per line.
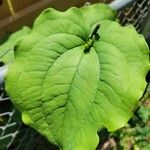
(77,72)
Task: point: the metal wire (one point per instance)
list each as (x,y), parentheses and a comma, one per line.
(135,14)
(14,135)
(9,125)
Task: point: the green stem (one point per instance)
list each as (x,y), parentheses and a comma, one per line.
(94,36)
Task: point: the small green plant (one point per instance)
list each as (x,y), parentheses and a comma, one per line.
(7,45)
(77,72)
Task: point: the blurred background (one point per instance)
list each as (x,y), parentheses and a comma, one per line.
(14,135)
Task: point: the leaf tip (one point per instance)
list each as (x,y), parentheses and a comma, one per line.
(26,118)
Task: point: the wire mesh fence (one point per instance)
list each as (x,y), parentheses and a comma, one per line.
(14,135)
(9,125)
(135,14)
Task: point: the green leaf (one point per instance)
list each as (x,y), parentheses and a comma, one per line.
(71,78)
(96,12)
(7,45)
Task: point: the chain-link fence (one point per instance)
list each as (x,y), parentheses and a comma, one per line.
(135,14)
(14,135)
